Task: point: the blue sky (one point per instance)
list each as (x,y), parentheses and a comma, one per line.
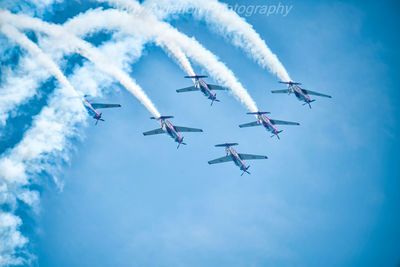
(327,195)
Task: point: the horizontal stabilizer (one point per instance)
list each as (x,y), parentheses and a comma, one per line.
(187,129)
(196,76)
(161,118)
(227,145)
(258,113)
(100,105)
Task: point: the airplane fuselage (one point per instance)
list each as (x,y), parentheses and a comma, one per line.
(298,92)
(91,110)
(203,86)
(264,120)
(170,130)
(236,159)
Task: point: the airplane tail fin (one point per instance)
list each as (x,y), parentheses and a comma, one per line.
(181,143)
(309,103)
(277,134)
(214,100)
(246,171)
(99,119)
(227,145)
(161,118)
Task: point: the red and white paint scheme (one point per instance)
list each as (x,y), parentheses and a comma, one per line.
(301,94)
(168,128)
(237,158)
(269,124)
(202,86)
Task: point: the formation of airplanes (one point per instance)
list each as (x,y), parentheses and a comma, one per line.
(208,91)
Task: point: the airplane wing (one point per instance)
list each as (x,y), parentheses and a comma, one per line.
(248,156)
(221,160)
(250,124)
(275,122)
(315,93)
(186,129)
(153,132)
(188,89)
(284,91)
(99,105)
(216,87)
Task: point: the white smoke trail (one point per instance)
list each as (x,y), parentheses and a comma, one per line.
(20,83)
(68,91)
(44,142)
(46,137)
(28,75)
(170,47)
(51,113)
(44,59)
(178,54)
(72,43)
(161,33)
(228,23)
(90,79)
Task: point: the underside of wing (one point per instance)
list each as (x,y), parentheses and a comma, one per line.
(153,132)
(216,87)
(250,124)
(284,91)
(275,122)
(220,160)
(188,89)
(186,129)
(100,105)
(315,93)
(249,156)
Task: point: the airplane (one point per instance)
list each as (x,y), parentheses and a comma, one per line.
(206,89)
(237,158)
(171,130)
(92,109)
(269,124)
(300,93)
